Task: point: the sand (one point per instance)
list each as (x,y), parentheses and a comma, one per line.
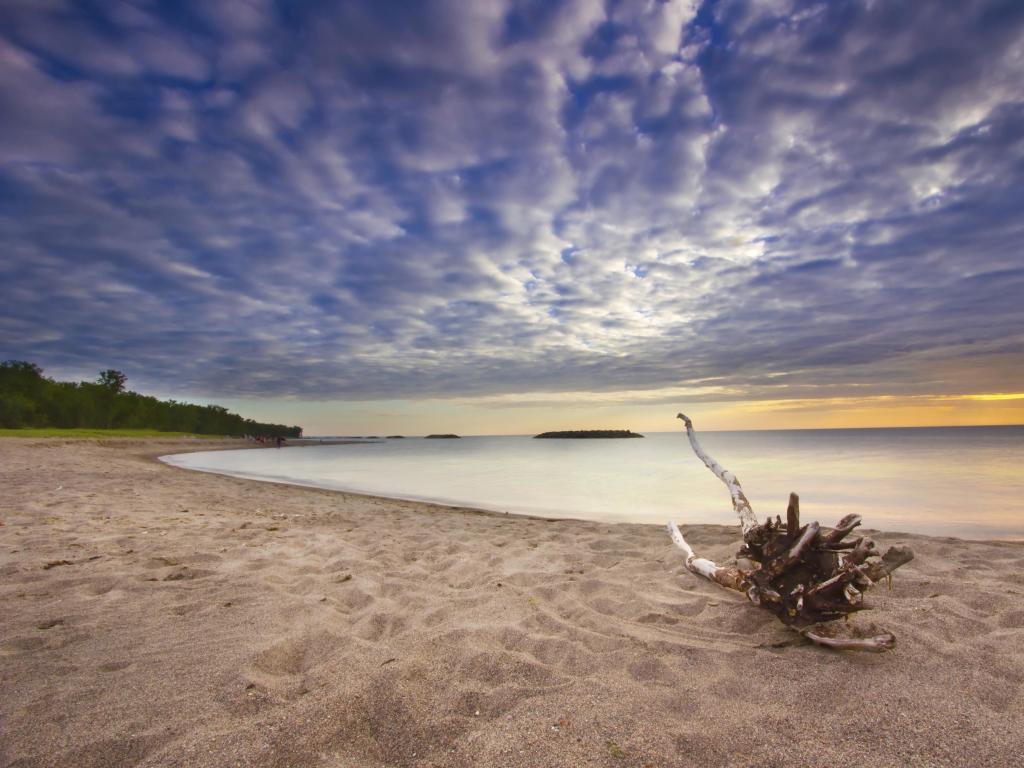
(153,616)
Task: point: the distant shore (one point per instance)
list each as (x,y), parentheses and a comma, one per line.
(160,616)
(589,434)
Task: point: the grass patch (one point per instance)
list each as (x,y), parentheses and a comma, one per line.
(56,432)
(615,750)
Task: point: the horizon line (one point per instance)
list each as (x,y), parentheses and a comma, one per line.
(683,432)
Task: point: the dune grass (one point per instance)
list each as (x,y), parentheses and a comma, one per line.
(56,432)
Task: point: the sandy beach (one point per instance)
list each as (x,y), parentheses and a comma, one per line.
(154,616)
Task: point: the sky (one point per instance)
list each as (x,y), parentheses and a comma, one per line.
(505,216)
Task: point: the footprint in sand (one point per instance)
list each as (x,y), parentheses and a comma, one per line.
(21,645)
(657,618)
(184,573)
(100,586)
(651,671)
(353,600)
(185,609)
(287,657)
(287,668)
(160,562)
(381,625)
(1012,620)
(130,751)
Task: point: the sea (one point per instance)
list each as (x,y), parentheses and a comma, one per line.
(966,482)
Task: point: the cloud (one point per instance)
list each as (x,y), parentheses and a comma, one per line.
(392,200)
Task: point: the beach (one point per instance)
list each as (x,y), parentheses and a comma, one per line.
(155,616)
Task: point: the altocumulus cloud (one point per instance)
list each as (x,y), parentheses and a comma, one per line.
(391,199)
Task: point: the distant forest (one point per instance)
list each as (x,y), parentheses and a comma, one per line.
(29,399)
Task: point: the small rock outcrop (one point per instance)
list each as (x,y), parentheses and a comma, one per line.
(582,434)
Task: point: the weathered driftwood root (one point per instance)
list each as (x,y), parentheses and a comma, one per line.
(802,574)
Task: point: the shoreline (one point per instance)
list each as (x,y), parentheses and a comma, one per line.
(180,618)
(552,514)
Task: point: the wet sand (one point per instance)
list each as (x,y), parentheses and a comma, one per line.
(158,617)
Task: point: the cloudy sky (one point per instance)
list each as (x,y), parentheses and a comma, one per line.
(503,215)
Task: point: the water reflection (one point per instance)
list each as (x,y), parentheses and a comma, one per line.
(951,481)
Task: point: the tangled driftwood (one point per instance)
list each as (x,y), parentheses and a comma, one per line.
(802,574)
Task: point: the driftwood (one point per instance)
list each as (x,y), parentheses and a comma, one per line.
(802,574)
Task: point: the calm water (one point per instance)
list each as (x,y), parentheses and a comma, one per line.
(966,482)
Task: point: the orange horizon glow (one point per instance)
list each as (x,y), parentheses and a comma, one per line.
(882,411)
(531,414)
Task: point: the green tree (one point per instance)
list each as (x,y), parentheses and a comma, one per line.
(29,399)
(21,388)
(20,376)
(112,380)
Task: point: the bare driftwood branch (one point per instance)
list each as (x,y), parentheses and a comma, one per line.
(801,574)
(727,577)
(739,500)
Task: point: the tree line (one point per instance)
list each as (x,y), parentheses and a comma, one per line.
(29,399)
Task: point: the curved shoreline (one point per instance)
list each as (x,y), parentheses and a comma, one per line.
(435,502)
(606,510)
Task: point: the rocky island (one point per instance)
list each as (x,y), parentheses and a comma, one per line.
(580,434)
(442,437)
